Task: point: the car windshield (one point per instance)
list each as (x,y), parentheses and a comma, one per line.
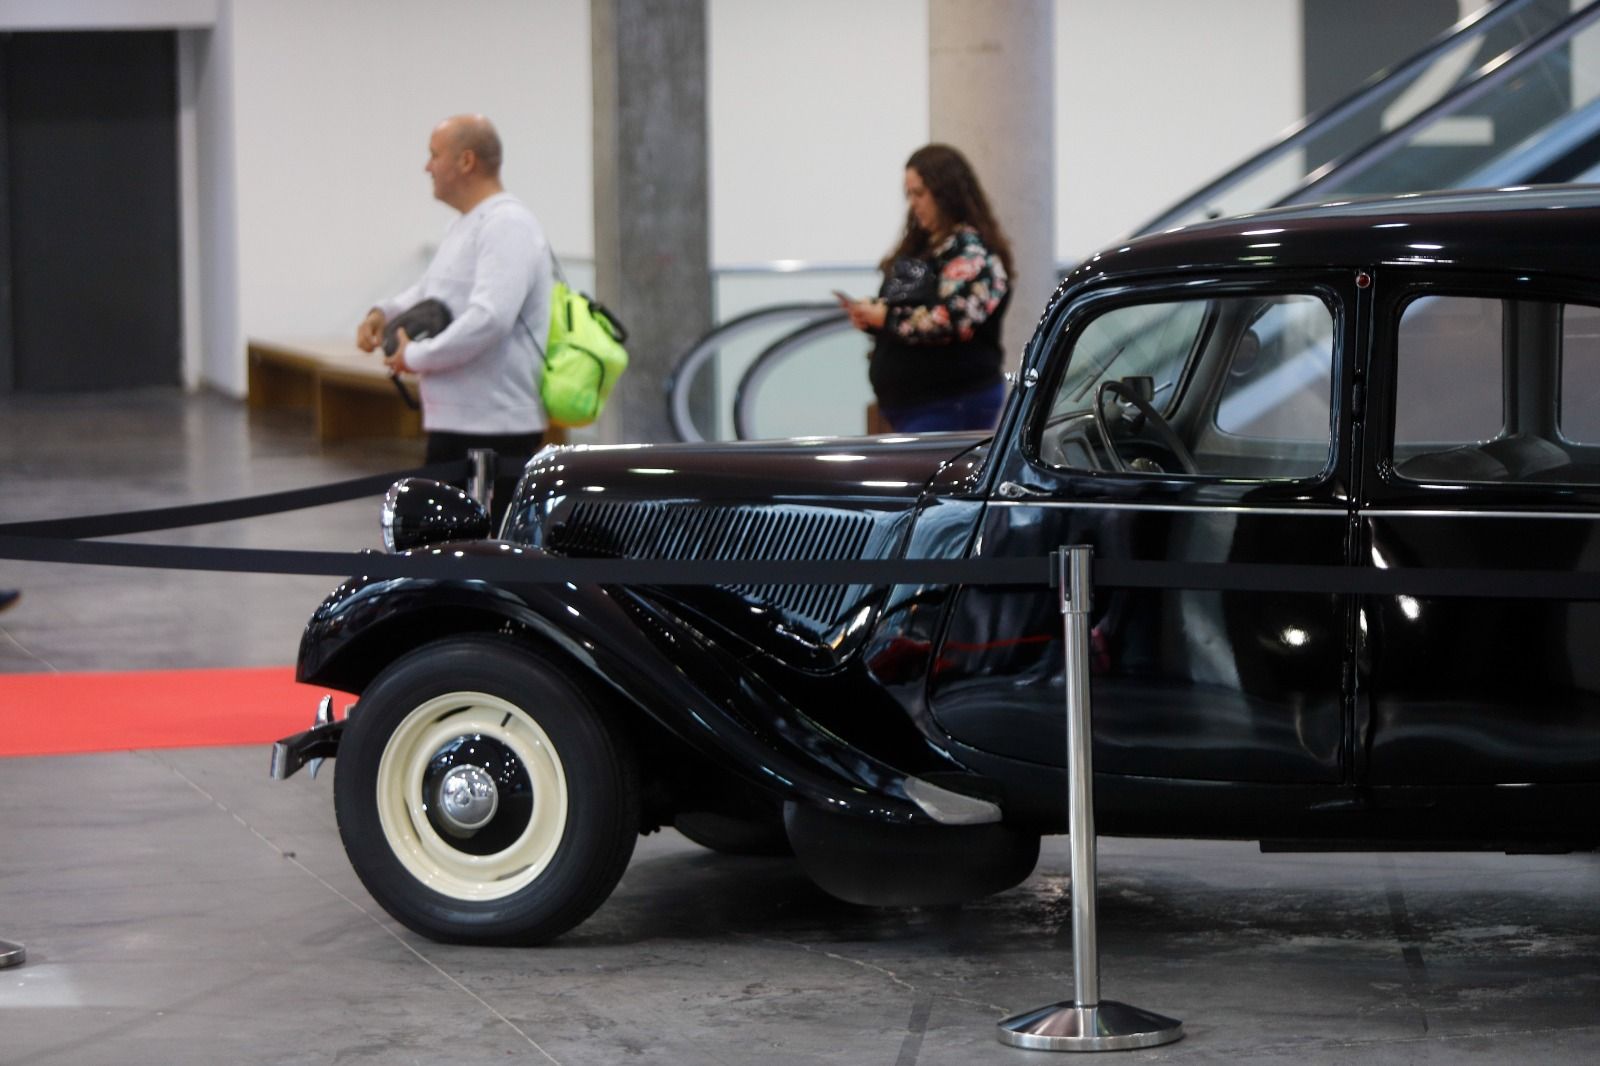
(1147,339)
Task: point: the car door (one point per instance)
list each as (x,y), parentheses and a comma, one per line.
(1483,454)
(1205,421)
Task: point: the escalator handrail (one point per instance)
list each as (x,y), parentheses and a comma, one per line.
(762,365)
(1313,125)
(1540,151)
(1507,65)
(688,365)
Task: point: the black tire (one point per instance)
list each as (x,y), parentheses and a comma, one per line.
(559,818)
(735,836)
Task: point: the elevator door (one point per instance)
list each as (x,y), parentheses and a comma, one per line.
(89,169)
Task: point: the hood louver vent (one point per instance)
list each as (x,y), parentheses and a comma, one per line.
(652,529)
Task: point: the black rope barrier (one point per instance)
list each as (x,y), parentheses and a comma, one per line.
(198,514)
(530,567)
(64,540)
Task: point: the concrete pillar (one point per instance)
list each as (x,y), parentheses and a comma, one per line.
(651,207)
(991,93)
(7,361)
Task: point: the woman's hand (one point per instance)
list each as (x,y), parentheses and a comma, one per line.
(867,315)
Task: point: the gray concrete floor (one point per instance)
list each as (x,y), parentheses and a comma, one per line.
(178,907)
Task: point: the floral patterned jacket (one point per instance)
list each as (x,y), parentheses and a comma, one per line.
(950,346)
(972,283)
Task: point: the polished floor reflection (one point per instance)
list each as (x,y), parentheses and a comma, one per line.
(178,907)
(94,453)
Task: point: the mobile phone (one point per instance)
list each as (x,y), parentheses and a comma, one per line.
(843,297)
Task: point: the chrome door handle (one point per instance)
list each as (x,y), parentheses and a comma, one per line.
(1010,490)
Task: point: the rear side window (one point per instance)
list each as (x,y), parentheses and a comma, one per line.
(1494,389)
(1448,389)
(1580,374)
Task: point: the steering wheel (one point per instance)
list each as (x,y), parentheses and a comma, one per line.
(1162,429)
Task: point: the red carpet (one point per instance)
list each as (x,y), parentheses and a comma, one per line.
(59,714)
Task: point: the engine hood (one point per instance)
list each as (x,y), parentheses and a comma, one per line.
(887,468)
(803,499)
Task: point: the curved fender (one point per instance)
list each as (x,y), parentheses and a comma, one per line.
(629,643)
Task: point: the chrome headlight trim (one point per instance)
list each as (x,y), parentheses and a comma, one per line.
(386,515)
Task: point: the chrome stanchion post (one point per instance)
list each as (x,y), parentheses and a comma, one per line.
(480,486)
(1086,1023)
(12,954)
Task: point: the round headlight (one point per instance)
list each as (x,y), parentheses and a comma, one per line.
(418,512)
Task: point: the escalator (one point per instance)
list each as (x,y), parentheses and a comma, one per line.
(1430,108)
(1508,96)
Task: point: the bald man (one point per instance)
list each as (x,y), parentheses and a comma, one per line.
(492,270)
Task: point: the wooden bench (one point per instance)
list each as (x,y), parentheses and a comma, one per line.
(347,390)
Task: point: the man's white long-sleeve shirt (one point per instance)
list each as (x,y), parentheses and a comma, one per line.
(493,271)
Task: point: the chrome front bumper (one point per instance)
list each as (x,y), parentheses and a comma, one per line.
(319,742)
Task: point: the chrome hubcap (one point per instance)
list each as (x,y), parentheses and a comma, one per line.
(468,798)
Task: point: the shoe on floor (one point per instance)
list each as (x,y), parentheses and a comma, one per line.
(8,597)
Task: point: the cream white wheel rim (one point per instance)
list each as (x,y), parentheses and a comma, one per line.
(429,857)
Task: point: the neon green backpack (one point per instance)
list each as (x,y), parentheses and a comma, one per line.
(583,357)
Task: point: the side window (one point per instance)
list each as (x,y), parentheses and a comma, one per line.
(1233,386)
(1448,388)
(1496,390)
(1580,374)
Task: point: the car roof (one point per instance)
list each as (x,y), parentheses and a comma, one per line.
(1550,228)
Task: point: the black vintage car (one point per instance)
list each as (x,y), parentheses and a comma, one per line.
(1401,384)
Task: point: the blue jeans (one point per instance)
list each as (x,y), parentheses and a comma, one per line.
(968,410)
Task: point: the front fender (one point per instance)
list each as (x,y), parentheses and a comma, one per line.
(628,642)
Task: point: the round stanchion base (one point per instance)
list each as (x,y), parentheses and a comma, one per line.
(12,954)
(1109,1026)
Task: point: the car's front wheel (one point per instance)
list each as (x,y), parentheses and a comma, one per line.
(481,797)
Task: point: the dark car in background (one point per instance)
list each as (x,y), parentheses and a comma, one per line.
(1403,384)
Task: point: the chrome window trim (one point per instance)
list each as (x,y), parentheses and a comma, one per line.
(1420,512)
(1185,508)
(1302,512)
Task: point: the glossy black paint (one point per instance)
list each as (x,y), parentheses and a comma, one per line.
(1289,717)
(418,511)
(627,646)
(1476,692)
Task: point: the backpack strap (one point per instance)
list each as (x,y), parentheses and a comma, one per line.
(555,265)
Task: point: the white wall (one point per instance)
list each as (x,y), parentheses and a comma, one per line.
(1155,97)
(333,104)
(210,199)
(814,108)
(105,14)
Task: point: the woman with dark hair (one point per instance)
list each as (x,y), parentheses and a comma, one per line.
(936,356)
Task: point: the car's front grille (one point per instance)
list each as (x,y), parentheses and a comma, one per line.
(654,529)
